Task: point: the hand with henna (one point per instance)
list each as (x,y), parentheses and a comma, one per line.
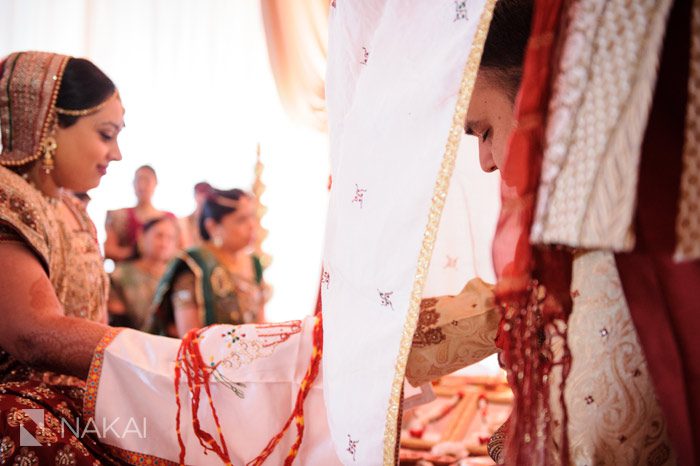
(34,328)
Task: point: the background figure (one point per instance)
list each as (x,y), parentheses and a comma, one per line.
(133,283)
(222,268)
(189,226)
(123,225)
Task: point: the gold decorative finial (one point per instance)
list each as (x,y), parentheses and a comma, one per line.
(258,190)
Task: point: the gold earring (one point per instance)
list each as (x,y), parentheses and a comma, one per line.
(48,148)
(218,241)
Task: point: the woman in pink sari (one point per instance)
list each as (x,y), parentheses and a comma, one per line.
(123,225)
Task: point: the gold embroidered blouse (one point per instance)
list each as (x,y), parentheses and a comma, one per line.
(70,256)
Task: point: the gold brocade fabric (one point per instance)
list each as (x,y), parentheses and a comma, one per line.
(688,222)
(81,283)
(71,257)
(597,116)
(614,416)
(28,91)
(236,300)
(453,332)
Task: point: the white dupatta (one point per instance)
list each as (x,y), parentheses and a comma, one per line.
(400,75)
(399,79)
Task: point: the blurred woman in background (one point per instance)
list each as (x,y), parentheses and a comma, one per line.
(123,225)
(133,283)
(220,281)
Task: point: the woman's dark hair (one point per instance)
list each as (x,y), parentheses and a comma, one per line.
(83,86)
(504,49)
(215,211)
(202,187)
(155,221)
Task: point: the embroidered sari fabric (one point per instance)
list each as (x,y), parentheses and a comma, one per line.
(72,257)
(595,125)
(256,372)
(197,278)
(28,92)
(52,414)
(613,414)
(73,261)
(598,190)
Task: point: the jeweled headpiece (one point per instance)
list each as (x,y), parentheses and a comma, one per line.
(28,91)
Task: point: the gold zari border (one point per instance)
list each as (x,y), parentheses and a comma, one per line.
(438,202)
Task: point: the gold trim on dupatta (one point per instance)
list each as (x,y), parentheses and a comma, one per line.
(437,204)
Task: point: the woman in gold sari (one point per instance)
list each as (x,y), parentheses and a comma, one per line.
(60,118)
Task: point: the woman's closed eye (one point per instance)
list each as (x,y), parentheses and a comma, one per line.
(483,135)
(106,136)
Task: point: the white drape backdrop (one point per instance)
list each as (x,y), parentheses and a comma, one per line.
(196,83)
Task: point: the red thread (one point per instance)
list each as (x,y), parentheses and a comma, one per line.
(198,375)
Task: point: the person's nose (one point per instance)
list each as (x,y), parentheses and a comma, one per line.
(115,154)
(486,157)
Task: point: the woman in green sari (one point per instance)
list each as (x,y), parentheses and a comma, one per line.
(219,281)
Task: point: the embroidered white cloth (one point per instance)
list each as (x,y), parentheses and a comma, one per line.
(259,369)
(399,79)
(394,76)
